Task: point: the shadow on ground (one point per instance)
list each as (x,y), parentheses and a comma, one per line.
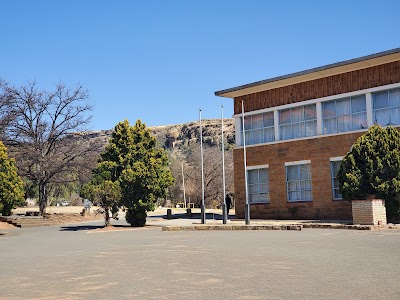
(93,227)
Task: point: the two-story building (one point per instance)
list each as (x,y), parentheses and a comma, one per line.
(299,126)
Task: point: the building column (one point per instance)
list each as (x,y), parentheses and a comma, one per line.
(276,125)
(368,99)
(238,132)
(319,118)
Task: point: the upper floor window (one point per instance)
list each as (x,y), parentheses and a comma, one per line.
(258,184)
(298,122)
(386,107)
(259,128)
(344,114)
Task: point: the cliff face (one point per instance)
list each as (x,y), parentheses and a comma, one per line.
(181,135)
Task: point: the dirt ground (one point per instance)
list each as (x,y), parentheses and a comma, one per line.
(63,214)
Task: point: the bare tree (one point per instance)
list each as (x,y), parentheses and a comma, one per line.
(5,108)
(47,134)
(212,174)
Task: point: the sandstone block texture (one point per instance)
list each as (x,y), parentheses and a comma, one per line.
(369,212)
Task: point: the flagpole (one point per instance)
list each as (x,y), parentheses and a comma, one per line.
(203,208)
(246,207)
(224,211)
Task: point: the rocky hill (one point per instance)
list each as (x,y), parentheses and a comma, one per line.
(182,135)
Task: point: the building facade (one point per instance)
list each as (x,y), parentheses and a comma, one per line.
(299,126)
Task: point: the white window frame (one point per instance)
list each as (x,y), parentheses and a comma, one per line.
(298,164)
(254,168)
(332,161)
(388,108)
(318,102)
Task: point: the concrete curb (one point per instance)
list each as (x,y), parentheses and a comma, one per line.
(231,227)
(297,227)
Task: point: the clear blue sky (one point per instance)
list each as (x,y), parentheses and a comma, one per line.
(161,61)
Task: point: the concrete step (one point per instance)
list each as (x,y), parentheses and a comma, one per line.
(32,222)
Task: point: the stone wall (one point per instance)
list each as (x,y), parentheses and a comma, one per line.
(369,212)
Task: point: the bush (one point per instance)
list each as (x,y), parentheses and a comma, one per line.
(372,167)
(11,185)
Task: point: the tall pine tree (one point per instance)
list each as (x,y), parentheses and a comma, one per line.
(142,170)
(11,185)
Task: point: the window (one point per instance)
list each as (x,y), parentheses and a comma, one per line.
(344,115)
(386,107)
(298,182)
(258,185)
(298,122)
(259,128)
(335,165)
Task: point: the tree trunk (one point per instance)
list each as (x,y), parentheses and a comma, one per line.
(107,217)
(42,198)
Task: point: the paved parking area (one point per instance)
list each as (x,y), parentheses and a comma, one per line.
(78,262)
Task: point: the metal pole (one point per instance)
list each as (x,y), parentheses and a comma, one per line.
(183,183)
(203,208)
(224,211)
(246,207)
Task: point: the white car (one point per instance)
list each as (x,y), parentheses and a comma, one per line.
(64,203)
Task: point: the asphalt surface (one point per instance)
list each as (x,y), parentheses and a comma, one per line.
(79,261)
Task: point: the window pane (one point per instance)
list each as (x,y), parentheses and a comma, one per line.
(263,188)
(310,112)
(330,125)
(269,134)
(395,117)
(359,121)
(329,109)
(257,136)
(253,188)
(298,130)
(380,100)
(358,104)
(257,121)
(286,132)
(343,107)
(263,175)
(305,172)
(247,122)
(394,98)
(284,116)
(344,123)
(297,114)
(292,173)
(311,128)
(253,176)
(269,119)
(382,117)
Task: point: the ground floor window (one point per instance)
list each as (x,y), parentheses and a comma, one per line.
(258,185)
(335,165)
(298,181)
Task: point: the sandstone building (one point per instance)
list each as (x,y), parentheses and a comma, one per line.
(299,126)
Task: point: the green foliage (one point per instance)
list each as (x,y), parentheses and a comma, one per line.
(372,167)
(11,185)
(132,159)
(102,190)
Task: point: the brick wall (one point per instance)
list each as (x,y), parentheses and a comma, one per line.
(323,87)
(369,212)
(319,151)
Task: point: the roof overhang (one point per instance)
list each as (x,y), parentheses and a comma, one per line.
(312,74)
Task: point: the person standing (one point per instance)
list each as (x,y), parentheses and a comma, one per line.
(228,202)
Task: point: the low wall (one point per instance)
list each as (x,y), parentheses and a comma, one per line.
(369,212)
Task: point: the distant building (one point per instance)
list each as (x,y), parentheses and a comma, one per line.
(299,126)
